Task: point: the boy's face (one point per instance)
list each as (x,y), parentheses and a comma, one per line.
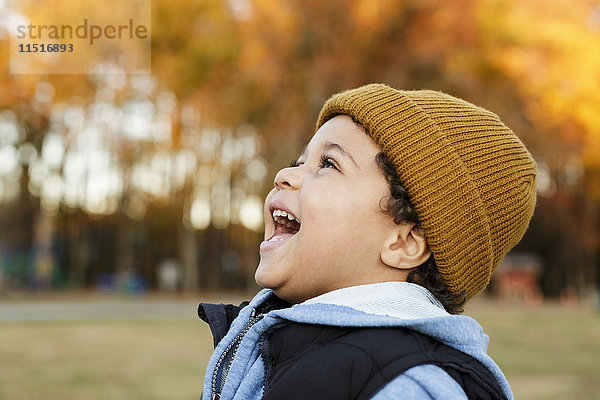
(335,194)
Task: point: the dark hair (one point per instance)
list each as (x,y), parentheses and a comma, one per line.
(400,208)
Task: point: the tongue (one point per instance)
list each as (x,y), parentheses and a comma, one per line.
(282,233)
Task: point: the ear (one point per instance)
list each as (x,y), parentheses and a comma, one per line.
(406,248)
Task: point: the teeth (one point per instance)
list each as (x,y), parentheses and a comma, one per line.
(284,215)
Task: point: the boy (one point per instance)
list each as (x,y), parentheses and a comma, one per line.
(396,213)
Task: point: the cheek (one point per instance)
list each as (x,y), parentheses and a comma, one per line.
(322,210)
(333,226)
(340,205)
(343,219)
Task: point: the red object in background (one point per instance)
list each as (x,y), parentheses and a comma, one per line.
(517,279)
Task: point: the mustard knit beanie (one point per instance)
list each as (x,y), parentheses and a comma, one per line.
(470,179)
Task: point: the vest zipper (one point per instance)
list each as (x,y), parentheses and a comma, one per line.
(226,360)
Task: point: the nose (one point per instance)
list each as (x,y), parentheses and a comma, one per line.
(287,178)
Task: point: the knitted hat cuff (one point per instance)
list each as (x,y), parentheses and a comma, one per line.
(435,177)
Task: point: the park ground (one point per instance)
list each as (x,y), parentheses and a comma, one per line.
(90,347)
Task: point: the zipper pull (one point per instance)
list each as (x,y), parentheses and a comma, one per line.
(255,314)
(215,396)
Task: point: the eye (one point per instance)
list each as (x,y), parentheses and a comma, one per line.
(294,164)
(327,162)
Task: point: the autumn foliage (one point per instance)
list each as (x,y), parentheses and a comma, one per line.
(259,70)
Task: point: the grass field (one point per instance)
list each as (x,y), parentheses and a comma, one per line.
(154,360)
(547,353)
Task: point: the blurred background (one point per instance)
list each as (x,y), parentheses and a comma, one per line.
(124,190)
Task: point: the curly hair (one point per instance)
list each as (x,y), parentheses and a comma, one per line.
(399,207)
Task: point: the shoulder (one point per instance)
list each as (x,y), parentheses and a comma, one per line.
(423,382)
(366,361)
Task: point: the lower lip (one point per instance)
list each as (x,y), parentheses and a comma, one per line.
(268,245)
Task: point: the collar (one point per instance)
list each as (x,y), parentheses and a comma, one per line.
(395,299)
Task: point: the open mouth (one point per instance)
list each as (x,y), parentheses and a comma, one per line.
(286,225)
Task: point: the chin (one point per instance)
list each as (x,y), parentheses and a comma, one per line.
(261,277)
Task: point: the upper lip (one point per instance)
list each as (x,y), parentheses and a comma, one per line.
(278,205)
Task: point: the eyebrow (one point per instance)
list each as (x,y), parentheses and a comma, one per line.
(332,145)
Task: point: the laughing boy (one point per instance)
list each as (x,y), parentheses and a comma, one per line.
(395,214)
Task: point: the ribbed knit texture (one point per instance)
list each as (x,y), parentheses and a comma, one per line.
(471,180)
